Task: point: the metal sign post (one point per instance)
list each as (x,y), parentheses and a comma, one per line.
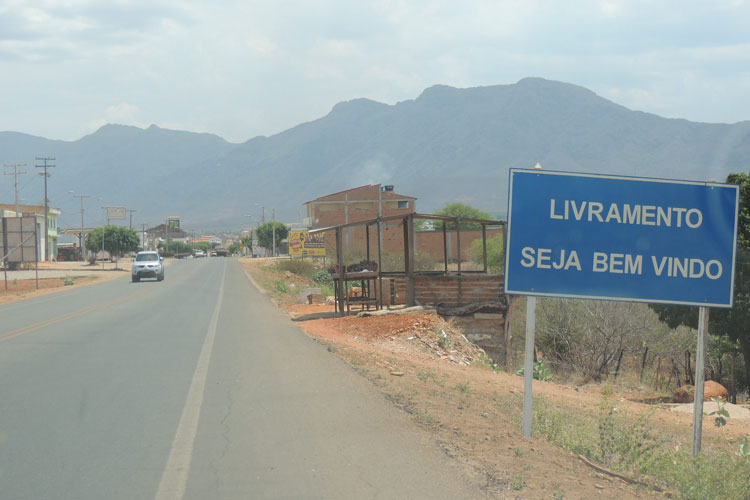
(528,367)
(700,362)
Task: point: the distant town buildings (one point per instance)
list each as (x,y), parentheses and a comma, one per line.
(155,235)
(208,238)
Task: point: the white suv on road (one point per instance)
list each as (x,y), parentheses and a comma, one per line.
(148,265)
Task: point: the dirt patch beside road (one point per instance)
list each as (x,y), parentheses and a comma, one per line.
(24,289)
(57,276)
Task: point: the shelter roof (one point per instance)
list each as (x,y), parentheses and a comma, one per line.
(370,222)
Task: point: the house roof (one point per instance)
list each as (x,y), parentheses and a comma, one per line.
(37,209)
(385,194)
(175,233)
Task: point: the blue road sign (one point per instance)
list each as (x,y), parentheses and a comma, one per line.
(621,238)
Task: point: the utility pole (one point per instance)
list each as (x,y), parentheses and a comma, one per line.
(131,217)
(143,234)
(80,236)
(45,166)
(15,174)
(273,218)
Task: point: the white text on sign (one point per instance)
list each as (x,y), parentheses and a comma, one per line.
(625,213)
(622,263)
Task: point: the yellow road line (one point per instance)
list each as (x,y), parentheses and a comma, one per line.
(37,326)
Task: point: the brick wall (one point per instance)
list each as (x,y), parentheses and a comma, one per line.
(451,290)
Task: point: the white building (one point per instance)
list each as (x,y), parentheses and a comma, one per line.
(9,210)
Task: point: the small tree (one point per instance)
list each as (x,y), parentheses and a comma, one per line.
(247,242)
(266,234)
(117,240)
(587,336)
(464,211)
(178,247)
(234,248)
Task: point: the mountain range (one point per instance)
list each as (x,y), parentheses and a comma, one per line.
(446,145)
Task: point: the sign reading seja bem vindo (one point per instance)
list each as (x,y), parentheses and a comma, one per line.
(621,238)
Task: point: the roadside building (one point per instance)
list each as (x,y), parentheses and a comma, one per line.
(37,211)
(374,200)
(357,204)
(158,234)
(70,240)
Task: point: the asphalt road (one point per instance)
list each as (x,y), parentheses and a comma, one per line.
(198,388)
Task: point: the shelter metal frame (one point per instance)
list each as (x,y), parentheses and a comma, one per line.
(408,223)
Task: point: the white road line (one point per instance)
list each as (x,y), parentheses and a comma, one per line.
(175,475)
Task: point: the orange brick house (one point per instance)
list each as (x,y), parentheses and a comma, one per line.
(358,204)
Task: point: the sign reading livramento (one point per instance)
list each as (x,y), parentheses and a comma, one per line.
(621,238)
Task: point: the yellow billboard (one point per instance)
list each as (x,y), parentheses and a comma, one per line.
(304,243)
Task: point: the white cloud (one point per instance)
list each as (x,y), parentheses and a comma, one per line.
(121,114)
(260,44)
(611,8)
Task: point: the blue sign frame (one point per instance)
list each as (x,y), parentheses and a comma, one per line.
(621,238)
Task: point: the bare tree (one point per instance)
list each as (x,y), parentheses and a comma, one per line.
(589,337)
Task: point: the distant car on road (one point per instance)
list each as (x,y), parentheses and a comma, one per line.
(148,265)
(200,253)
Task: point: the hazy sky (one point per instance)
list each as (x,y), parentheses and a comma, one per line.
(245,68)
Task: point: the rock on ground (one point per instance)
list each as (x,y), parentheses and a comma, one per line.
(711,390)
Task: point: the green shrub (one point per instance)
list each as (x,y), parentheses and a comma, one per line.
(322,277)
(541,371)
(300,267)
(483,361)
(326,290)
(280,286)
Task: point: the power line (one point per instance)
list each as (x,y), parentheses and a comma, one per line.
(15,174)
(24,186)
